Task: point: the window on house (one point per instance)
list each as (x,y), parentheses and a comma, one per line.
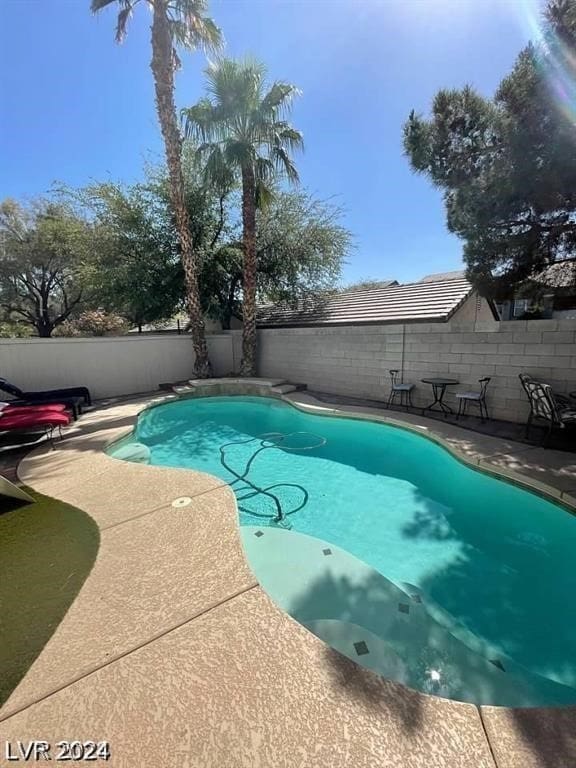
(520,307)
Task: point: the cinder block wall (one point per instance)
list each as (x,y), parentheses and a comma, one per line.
(355,360)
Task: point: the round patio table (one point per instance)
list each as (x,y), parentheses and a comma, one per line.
(439,388)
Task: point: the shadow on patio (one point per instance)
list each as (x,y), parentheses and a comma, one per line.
(364,686)
(47,549)
(533,738)
(563,440)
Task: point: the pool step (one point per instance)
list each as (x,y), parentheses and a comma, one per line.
(366,617)
(235,380)
(284,389)
(241,386)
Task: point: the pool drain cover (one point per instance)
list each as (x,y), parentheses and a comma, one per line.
(181,501)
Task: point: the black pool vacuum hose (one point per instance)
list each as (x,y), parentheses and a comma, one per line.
(266,442)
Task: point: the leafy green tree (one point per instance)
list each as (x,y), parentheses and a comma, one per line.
(43,250)
(301,246)
(241,129)
(175,23)
(507,165)
(135,271)
(212,211)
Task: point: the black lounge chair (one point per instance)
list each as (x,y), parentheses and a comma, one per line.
(46,394)
(73,397)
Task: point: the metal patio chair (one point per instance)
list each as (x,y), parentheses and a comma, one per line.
(547,407)
(397,388)
(474,398)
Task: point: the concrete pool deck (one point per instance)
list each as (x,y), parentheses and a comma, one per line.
(175,655)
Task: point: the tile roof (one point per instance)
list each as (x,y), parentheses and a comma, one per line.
(413,302)
(456,275)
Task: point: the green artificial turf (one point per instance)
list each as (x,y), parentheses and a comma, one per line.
(47,550)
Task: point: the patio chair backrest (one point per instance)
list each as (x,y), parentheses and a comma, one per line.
(393,375)
(483,385)
(541,399)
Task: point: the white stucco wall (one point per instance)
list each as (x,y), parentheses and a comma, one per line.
(108,366)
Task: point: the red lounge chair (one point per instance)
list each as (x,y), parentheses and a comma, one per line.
(18,410)
(47,420)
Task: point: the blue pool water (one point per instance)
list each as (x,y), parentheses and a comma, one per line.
(492,562)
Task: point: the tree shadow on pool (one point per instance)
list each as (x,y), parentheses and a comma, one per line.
(512,593)
(407,642)
(186,440)
(368,603)
(330,597)
(47,550)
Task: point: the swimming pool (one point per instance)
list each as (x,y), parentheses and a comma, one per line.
(383,544)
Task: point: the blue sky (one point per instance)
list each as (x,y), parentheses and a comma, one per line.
(77,107)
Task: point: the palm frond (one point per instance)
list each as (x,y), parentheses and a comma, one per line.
(264,194)
(190,26)
(240,115)
(238,153)
(199,121)
(124,13)
(289,137)
(179,32)
(204,149)
(236,85)
(97,5)
(284,164)
(280,96)
(206,35)
(263,169)
(216,169)
(121,23)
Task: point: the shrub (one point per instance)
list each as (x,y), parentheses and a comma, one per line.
(95,322)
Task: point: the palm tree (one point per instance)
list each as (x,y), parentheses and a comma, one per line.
(175,23)
(241,127)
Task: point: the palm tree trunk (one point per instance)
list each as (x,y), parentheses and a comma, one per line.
(248,365)
(162,66)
